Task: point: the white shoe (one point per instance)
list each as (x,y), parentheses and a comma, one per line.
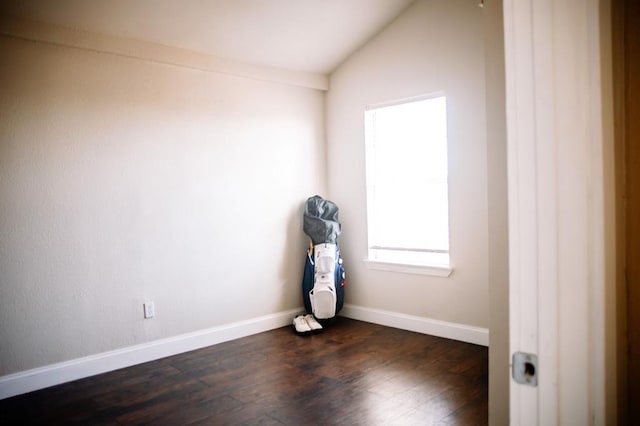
(301,325)
(312,323)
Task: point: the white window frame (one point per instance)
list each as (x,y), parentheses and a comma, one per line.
(401,263)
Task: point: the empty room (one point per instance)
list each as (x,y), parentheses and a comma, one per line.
(156,158)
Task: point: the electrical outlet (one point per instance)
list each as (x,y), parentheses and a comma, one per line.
(149,310)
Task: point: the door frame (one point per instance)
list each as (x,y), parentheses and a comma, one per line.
(560,167)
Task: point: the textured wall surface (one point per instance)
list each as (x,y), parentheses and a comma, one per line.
(124,180)
(433,46)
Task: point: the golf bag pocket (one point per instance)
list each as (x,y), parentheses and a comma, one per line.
(323,297)
(325,258)
(323,281)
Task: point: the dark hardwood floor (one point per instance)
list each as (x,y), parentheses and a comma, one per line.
(354,373)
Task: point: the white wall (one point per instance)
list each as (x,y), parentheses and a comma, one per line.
(123,180)
(432,46)
(497,189)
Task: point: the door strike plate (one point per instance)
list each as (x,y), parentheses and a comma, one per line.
(525,368)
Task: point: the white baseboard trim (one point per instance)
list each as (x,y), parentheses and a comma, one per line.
(55,374)
(449,330)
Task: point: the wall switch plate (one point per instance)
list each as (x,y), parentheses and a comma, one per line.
(149,310)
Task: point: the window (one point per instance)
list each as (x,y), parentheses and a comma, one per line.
(407,191)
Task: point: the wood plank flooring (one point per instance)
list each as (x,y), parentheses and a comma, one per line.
(353,373)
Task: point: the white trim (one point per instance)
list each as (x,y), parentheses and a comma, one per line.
(523,161)
(432,270)
(556,208)
(54,374)
(41,32)
(432,95)
(433,327)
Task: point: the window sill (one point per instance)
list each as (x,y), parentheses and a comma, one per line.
(432,270)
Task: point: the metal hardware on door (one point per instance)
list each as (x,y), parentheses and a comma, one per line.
(525,368)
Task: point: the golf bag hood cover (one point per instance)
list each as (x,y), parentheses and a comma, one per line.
(321,220)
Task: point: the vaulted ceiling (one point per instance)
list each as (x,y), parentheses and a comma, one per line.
(303,35)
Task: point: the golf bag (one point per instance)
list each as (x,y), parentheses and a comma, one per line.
(324,277)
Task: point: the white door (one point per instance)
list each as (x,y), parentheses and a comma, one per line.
(556,162)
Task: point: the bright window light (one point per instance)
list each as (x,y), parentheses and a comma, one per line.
(407,191)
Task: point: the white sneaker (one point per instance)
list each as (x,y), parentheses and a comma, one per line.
(301,325)
(312,323)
